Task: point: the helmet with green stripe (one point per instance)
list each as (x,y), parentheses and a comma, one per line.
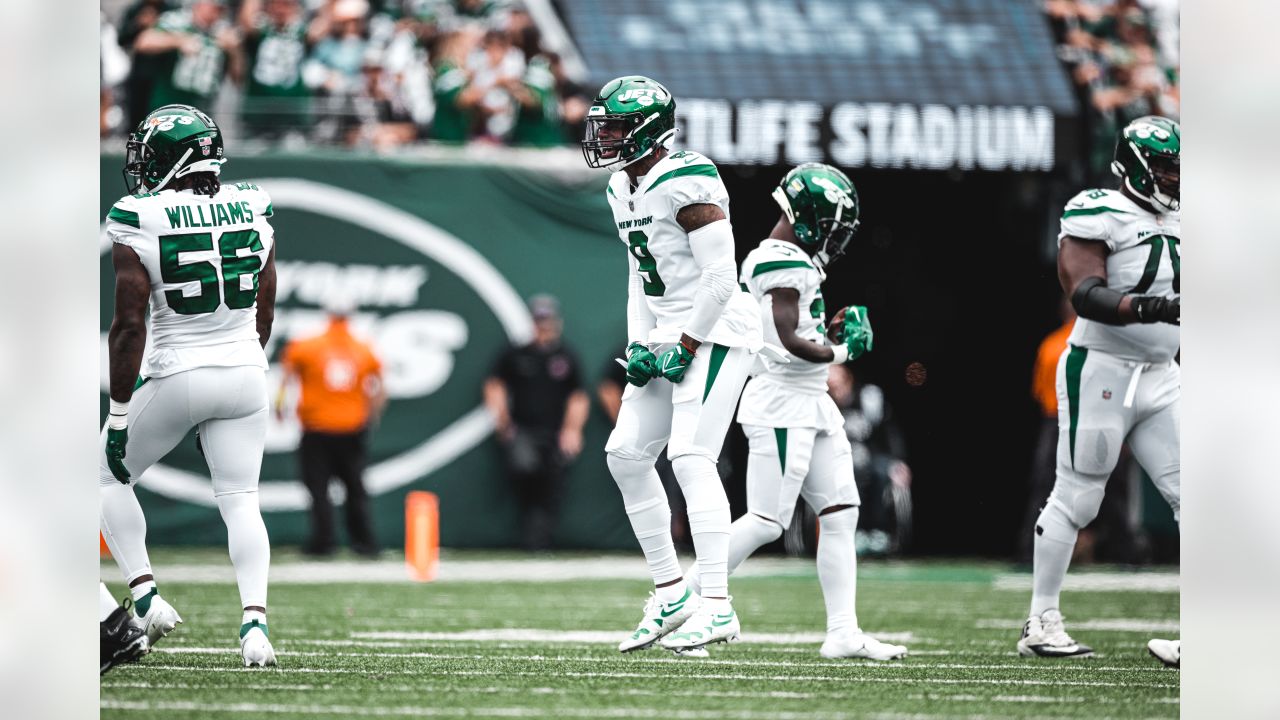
(172,142)
(1148,155)
(821,204)
(630,118)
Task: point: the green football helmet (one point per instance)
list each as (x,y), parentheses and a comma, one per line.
(822,206)
(1148,155)
(630,118)
(171,142)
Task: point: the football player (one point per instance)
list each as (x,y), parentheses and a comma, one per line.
(1118,381)
(693,338)
(202,255)
(796,432)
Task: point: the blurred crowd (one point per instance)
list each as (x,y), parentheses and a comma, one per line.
(1123,57)
(361,73)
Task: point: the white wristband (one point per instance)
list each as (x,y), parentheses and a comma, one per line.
(841,352)
(118,419)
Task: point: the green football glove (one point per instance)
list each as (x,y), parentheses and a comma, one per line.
(116,440)
(642,366)
(856,334)
(673,363)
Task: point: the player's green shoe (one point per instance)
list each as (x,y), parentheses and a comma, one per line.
(713,622)
(659,620)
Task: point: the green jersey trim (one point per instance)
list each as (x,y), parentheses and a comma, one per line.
(125,217)
(703,170)
(609,189)
(772,265)
(1092,211)
(269,211)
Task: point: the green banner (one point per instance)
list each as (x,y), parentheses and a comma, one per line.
(441,258)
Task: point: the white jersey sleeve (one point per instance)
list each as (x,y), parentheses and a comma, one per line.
(1095,215)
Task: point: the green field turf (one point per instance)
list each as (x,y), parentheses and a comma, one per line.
(361,643)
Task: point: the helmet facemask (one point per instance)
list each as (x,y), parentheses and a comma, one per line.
(834,236)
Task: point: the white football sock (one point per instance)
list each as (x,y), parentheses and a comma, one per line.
(247,544)
(671,593)
(106,603)
(747,534)
(1055,540)
(838,568)
(125,529)
(646,504)
(708,510)
(142,590)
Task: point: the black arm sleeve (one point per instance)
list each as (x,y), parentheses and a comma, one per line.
(1095,301)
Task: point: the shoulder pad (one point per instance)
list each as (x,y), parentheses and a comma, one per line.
(257,197)
(125,211)
(1096,202)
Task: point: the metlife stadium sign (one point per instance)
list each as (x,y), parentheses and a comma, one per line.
(924,85)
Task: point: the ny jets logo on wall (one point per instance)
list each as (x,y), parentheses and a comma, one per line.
(423,296)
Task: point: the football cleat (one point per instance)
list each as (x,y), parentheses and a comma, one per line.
(159,621)
(255,648)
(121,641)
(697,652)
(1045,636)
(857,644)
(1168,652)
(714,621)
(659,620)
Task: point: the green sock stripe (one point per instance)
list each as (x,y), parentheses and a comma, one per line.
(718,353)
(245,628)
(143,604)
(1075,364)
(781,435)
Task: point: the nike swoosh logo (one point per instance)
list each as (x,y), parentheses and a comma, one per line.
(1077,204)
(722,620)
(674,610)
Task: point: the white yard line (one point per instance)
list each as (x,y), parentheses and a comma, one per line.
(1143,625)
(1156,581)
(517,712)
(588,637)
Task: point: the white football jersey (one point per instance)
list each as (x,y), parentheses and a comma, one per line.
(1145,259)
(646,222)
(203,255)
(778,264)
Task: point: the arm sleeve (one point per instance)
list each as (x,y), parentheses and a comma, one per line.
(640,319)
(712,247)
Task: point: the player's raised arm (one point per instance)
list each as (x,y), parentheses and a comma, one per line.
(711,241)
(1082,270)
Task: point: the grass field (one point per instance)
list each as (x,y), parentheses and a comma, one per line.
(507,637)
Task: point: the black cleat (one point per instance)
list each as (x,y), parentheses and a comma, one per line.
(122,641)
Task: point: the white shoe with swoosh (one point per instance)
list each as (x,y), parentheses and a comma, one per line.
(1046,636)
(659,620)
(714,621)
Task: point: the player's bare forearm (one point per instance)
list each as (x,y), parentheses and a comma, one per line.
(1081,260)
(786,316)
(495,398)
(128,335)
(267,298)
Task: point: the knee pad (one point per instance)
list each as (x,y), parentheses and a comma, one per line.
(637,479)
(1078,496)
(762,530)
(699,483)
(840,522)
(1055,523)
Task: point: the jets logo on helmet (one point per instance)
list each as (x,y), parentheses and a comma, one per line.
(821,204)
(1148,160)
(172,142)
(630,118)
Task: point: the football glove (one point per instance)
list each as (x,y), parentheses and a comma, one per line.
(856,334)
(1151,309)
(116,441)
(673,363)
(641,365)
